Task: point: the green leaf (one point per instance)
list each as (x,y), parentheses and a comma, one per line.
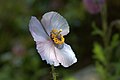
(117,53)
(102,71)
(99,53)
(115,40)
(70,78)
(96,30)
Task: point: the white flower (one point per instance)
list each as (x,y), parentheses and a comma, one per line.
(48,35)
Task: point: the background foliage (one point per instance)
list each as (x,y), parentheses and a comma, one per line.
(19,59)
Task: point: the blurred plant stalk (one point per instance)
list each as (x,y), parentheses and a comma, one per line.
(105,38)
(53,72)
(103,54)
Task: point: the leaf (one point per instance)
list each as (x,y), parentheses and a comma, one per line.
(117,66)
(117,52)
(115,40)
(70,78)
(101,70)
(96,30)
(99,53)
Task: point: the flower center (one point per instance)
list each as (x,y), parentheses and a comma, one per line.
(57,37)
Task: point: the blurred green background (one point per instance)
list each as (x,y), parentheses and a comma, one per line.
(19,59)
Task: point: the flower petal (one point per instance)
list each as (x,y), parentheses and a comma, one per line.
(47,52)
(37,30)
(53,20)
(65,56)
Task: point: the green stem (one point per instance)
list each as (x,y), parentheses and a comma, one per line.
(53,72)
(105,37)
(104,24)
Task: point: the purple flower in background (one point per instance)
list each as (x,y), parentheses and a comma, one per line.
(93,6)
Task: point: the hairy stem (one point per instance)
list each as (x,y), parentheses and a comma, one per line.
(53,72)
(105,37)
(104,24)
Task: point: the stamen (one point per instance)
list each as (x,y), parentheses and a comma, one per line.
(57,38)
(54,30)
(59,32)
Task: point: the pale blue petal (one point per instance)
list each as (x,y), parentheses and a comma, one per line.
(53,20)
(37,30)
(65,56)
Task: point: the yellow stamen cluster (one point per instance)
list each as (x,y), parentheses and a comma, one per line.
(57,37)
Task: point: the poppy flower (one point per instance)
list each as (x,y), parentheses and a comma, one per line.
(49,37)
(93,6)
